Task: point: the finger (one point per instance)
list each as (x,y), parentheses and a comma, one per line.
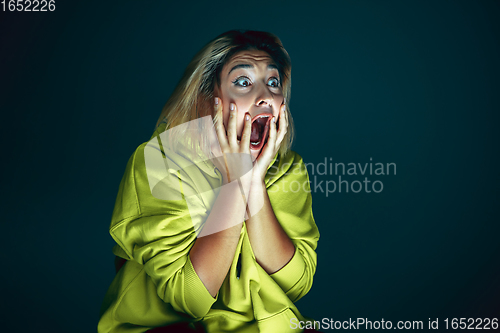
(219,124)
(283,124)
(272,134)
(245,136)
(231,128)
(271,141)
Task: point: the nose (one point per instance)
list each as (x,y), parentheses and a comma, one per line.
(264,97)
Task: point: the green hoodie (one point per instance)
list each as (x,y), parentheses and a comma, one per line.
(158,285)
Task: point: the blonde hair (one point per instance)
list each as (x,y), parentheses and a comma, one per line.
(193,97)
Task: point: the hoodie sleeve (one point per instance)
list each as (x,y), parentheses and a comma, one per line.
(289,192)
(156,226)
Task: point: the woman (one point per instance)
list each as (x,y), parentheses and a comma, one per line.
(213,219)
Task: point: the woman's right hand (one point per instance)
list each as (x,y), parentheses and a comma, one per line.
(234,160)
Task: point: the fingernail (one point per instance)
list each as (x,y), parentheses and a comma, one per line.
(216,101)
(274,119)
(231,107)
(247,117)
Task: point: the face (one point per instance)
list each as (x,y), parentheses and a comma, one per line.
(251,80)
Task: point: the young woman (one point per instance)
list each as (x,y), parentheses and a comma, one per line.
(213,220)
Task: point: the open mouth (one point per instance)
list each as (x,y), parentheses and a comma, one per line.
(260,130)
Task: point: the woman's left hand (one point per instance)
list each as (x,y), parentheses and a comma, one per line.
(273,143)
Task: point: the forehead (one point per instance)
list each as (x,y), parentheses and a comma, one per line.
(255,57)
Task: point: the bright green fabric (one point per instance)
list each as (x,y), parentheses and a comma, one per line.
(158,284)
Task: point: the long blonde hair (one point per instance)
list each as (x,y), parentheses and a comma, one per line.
(193,97)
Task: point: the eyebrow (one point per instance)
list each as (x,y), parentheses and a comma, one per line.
(270,66)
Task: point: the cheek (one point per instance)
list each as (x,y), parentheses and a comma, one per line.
(240,120)
(278,102)
(240,124)
(276,111)
(242,105)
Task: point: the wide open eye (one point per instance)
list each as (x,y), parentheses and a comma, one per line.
(242,81)
(273,82)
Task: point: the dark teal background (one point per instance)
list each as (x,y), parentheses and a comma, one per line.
(412,83)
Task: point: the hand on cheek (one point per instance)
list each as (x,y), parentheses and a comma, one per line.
(236,161)
(272,145)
